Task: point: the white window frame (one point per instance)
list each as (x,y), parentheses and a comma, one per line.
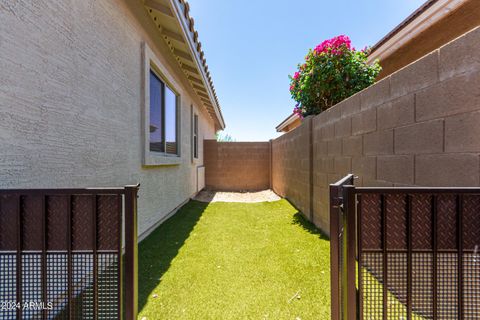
(151,62)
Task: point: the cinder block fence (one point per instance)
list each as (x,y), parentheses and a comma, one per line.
(420,126)
(237,165)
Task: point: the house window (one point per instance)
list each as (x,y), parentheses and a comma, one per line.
(195,136)
(163,117)
(161,113)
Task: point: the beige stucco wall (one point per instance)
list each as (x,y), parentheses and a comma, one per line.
(70,102)
(420,126)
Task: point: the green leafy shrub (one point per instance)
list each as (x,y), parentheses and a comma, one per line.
(332,72)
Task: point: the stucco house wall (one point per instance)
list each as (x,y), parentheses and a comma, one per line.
(71,102)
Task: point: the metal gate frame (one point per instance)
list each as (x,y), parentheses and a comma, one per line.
(347,212)
(337,250)
(45,233)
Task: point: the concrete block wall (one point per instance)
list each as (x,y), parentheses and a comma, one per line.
(237,165)
(419,126)
(291,167)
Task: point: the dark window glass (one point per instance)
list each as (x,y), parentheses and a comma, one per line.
(156,114)
(163,117)
(195,136)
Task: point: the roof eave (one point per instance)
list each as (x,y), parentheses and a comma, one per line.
(289,120)
(422,18)
(182,14)
(176,28)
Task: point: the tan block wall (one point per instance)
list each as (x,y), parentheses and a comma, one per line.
(419,126)
(290,167)
(237,165)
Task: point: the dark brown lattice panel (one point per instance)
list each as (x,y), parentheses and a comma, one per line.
(447,286)
(8,289)
(67,248)
(109,290)
(419,251)
(372,220)
(421,222)
(422,285)
(32,283)
(372,278)
(396,222)
(340,256)
(57,285)
(397,284)
(471,280)
(83,291)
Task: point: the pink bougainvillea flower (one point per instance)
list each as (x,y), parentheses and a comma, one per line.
(298,111)
(308,86)
(332,45)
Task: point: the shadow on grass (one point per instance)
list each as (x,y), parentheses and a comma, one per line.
(300,220)
(158,250)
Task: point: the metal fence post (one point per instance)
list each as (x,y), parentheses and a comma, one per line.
(334,254)
(349,254)
(131,253)
(337,260)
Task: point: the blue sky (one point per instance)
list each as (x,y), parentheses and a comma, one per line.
(252,46)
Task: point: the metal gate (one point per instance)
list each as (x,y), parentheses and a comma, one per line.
(408,253)
(337,252)
(61,253)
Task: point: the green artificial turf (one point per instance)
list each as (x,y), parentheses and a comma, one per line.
(235,261)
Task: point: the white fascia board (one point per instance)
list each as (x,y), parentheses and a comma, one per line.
(191,44)
(426,19)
